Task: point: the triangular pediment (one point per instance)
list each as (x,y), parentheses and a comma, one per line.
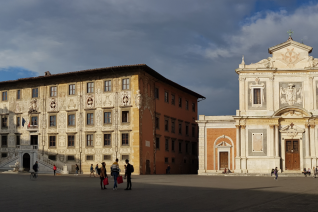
(290,43)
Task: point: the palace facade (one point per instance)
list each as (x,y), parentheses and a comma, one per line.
(87,117)
(275,125)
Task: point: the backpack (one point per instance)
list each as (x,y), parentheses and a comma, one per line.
(132,168)
(98,171)
(34,167)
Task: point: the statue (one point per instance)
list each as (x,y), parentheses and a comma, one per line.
(267,63)
(138,99)
(291,94)
(33,106)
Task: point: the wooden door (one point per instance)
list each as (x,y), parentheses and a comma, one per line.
(224,160)
(147,167)
(292,157)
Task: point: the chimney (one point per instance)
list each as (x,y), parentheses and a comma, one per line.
(47,73)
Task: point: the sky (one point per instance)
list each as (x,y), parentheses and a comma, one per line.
(196,43)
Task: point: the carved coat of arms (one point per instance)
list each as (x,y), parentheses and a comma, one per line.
(290,95)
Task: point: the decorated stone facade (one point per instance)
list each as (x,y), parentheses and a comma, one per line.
(82,118)
(275,125)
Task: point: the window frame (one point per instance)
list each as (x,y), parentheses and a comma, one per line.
(52,92)
(68,119)
(88,87)
(4,96)
(69,89)
(91,144)
(108,86)
(186,104)
(4,145)
(110,139)
(167,144)
(108,118)
(166,97)
(4,122)
(157,93)
(18,122)
(91,120)
(52,141)
(128,116)
(128,138)
(126,84)
(18,96)
(157,142)
(37,93)
(37,121)
(68,141)
(173,99)
(52,121)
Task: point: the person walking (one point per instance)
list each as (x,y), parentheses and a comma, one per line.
(54,169)
(76,169)
(129,170)
(276,173)
(97,171)
(92,171)
(115,172)
(125,171)
(168,170)
(103,175)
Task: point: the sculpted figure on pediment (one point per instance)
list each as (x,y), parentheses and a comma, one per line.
(265,63)
(312,62)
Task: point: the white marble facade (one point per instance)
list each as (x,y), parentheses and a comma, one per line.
(277,115)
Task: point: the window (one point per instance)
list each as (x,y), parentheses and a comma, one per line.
(71,120)
(194,148)
(166,96)
(90,118)
(125,84)
(167,144)
(4,155)
(70,157)
(173,126)
(18,121)
(124,139)
(108,85)
(193,107)
(107,157)
(187,147)
(52,121)
(180,128)
(18,94)
(157,143)
(71,140)
(187,104)
(52,157)
(53,91)
(4,96)
(52,141)
(187,130)
(166,125)
(173,99)
(89,157)
(4,141)
(107,139)
(157,122)
(180,146)
(35,93)
(18,140)
(4,122)
(34,140)
(180,102)
(125,157)
(89,140)
(193,131)
(34,121)
(71,89)
(90,87)
(124,116)
(157,93)
(166,160)
(172,160)
(107,118)
(172,145)
(257,95)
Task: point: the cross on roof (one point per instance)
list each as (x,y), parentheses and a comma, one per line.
(290,32)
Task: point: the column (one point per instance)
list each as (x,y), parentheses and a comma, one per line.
(237,141)
(270,145)
(307,140)
(242,93)
(20,161)
(270,94)
(276,141)
(243,147)
(202,149)
(311,93)
(312,145)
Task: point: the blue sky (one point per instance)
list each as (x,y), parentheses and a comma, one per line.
(196,43)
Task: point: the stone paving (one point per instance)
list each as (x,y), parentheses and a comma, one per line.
(158,193)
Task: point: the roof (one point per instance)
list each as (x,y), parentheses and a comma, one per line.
(144,67)
(290,42)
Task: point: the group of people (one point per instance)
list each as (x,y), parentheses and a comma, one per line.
(275,172)
(308,171)
(115,172)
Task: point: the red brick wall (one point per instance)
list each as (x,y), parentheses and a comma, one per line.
(212,135)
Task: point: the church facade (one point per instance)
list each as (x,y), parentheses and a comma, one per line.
(275,125)
(97,115)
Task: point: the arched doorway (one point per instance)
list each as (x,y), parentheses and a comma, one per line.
(26,162)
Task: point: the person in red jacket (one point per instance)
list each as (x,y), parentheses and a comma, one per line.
(54,169)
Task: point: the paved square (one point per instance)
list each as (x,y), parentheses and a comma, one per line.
(158,193)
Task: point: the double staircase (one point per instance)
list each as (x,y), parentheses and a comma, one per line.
(42,160)
(4,164)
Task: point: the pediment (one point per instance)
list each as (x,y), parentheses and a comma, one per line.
(287,55)
(292,112)
(223,144)
(292,130)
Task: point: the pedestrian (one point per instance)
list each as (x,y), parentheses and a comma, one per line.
(54,169)
(272,172)
(103,175)
(76,169)
(314,172)
(125,171)
(276,173)
(97,170)
(92,171)
(168,170)
(129,170)
(309,171)
(115,172)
